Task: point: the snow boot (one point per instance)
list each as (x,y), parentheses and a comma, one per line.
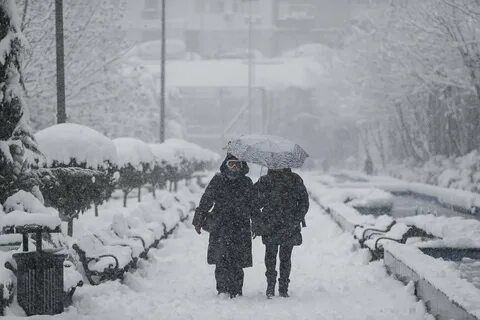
(283,287)
(270,289)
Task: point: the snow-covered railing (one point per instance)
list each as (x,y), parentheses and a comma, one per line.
(455,199)
(408,246)
(445,293)
(372,231)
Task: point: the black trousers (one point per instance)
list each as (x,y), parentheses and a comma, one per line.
(229,278)
(271,252)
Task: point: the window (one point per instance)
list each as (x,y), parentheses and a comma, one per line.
(216,6)
(151,9)
(297,11)
(199,6)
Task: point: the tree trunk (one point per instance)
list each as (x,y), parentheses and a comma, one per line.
(70,228)
(154,191)
(139,194)
(125,195)
(96,210)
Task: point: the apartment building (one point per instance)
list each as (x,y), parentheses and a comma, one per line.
(219,28)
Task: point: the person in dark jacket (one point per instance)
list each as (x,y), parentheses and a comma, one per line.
(225,211)
(283,200)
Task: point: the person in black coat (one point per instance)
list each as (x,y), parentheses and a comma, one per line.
(225,211)
(283,200)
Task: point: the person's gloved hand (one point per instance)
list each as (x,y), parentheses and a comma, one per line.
(198,229)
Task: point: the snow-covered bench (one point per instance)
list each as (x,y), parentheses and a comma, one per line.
(132,231)
(72,279)
(102,262)
(109,238)
(399,232)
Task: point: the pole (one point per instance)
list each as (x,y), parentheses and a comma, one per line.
(61,112)
(250,65)
(162,77)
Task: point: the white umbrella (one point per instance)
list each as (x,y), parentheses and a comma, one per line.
(270,151)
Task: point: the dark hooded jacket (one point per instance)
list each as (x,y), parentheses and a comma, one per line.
(225,211)
(283,200)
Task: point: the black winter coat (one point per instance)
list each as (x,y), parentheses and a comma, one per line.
(225,211)
(283,200)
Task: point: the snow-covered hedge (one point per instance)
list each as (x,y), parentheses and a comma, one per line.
(180,159)
(69,142)
(92,158)
(136,161)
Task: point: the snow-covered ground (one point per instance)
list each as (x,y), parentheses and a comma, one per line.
(331,279)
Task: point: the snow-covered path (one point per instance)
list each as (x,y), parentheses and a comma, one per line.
(330,280)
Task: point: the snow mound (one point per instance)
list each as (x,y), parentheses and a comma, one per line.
(67,141)
(25,201)
(22,219)
(133,151)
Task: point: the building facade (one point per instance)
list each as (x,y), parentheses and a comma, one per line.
(219,28)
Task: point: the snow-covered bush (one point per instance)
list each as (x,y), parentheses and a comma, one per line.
(135,162)
(26,202)
(189,158)
(165,161)
(71,192)
(75,146)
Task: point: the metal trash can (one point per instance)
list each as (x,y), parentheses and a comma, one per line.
(40,282)
(39,273)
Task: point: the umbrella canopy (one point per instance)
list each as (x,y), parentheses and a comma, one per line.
(270,151)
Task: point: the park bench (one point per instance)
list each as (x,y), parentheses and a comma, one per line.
(130,228)
(109,238)
(363,233)
(399,232)
(72,280)
(102,262)
(189,207)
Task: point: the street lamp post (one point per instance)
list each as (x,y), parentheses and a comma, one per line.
(251,70)
(61,112)
(162,77)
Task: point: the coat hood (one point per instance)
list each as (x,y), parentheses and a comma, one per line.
(223,167)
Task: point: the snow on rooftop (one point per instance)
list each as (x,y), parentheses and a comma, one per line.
(133,151)
(65,141)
